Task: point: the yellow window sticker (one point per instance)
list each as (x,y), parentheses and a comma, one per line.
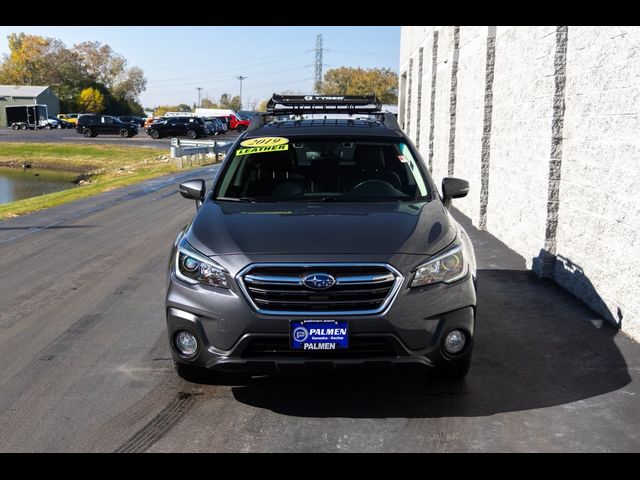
(264,141)
(262,149)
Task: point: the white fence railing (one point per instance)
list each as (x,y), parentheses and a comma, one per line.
(198,152)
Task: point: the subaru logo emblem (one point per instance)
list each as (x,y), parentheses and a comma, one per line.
(318,281)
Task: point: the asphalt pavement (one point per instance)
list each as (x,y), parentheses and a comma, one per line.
(71,136)
(86,363)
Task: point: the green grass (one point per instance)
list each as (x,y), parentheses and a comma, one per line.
(74,157)
(103,166)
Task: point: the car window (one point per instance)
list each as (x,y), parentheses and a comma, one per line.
(279,169)
(107,120)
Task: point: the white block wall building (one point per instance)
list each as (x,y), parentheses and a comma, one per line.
(544,122)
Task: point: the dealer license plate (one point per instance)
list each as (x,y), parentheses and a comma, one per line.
(319,334)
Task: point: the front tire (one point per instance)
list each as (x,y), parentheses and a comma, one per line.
(124,133)
(192,373)
(192,134)
(87,132)
(240,128)
(155,134)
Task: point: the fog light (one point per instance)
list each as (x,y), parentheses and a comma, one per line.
(185,343)
(455,341)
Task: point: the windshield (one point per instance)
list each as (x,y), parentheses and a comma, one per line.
(275,169)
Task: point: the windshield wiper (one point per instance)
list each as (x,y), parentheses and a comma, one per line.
(241,199)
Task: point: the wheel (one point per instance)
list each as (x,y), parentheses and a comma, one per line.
(59,126)
(192,134)
(87,132)
(15,126)
(154,134)
(23,127)
(192,373)
(124,133)
(240,128)
(452,372)
(47,127)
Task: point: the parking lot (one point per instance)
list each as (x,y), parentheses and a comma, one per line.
(71,136)
(86,362)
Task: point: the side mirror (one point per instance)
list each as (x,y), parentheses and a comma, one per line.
(193,190)
(453,188)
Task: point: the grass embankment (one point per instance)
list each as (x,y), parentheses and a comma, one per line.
(100,168)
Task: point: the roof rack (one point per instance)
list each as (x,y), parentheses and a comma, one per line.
(309,104)
(300,104)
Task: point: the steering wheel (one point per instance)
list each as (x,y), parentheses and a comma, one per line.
(373,181)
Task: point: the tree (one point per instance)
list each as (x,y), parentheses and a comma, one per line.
(162,109)
(382,82)
(91,100)
(252,104)
(262,107)
(27,62)
(226,101)
(109,68)
(207,103)
(235,103)
(35,60)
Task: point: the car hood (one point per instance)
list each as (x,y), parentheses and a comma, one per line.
(223,228)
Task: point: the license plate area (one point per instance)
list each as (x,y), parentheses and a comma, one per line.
(319,335)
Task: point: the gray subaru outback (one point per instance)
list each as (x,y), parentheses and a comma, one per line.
(322,241)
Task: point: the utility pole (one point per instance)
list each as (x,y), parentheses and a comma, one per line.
(318,72)
(241,78)
(199,90)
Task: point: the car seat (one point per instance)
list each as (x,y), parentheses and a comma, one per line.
(369,165)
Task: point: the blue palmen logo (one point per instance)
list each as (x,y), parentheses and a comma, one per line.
(318,281)
(300,334)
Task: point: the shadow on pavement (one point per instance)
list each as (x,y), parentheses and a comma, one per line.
(536,346)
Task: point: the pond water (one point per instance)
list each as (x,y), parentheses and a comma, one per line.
(16,183)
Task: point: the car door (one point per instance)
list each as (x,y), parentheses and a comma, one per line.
(181,126)
(109,126)
(171,126)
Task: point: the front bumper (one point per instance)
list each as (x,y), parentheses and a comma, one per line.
(233,336)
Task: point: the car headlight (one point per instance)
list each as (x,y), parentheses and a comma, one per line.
(193,267)
(447,267)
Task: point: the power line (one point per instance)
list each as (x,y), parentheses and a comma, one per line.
(197,60)
(280,84)
(217,73)
(222,80)
(361,54)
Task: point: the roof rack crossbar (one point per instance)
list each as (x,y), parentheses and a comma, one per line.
(281,105)
(293,104)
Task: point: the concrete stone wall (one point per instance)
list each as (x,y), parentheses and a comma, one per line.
(469,115)
(543,123)
(521,137)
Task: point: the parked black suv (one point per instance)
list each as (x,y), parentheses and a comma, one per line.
(322,243)
(191,127)
(94,125)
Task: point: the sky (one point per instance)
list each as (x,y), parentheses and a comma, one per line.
(176,60)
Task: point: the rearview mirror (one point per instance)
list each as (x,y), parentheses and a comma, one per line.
(193,190)
(453,188)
